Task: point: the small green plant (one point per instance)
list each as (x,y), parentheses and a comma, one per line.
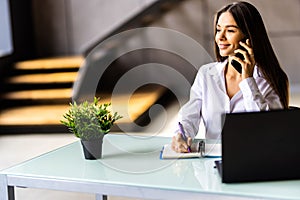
(90,121)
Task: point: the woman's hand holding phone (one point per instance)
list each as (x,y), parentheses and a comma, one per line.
(243,60)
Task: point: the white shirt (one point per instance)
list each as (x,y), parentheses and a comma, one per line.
(209,99)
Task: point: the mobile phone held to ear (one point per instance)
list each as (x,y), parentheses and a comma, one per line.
(235,63)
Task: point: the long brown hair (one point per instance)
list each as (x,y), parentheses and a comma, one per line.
(251,24)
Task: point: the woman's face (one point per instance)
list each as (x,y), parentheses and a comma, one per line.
(228,34)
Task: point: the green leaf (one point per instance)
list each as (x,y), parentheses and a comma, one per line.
(89,120)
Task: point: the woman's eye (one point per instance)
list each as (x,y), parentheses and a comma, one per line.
(218,30)
(231,31)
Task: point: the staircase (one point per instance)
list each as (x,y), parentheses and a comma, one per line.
(38,93)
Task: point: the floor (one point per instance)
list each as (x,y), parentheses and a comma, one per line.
(18,148)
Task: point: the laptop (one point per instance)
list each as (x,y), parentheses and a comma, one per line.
(260,146)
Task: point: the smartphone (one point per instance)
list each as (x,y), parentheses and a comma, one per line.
(235,63)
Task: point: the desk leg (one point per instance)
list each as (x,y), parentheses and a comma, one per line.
(101,197)
(7,192)
(11,193)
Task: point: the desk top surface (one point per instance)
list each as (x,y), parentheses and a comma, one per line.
(135,161)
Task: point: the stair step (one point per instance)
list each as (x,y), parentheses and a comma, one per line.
(38,92)
(138,104)
(33,115)
(47,78)
(64,93)
(51,63)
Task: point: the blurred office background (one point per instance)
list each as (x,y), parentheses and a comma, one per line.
(44,44)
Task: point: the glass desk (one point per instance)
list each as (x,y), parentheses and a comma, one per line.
(131,167)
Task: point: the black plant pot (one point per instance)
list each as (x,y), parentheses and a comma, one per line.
(92,149)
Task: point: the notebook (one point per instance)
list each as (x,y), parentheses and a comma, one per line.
(260,146)
(211,150)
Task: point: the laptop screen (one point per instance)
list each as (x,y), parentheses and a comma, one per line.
(260,146)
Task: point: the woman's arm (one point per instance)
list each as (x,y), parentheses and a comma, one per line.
(259,95)
(190,114)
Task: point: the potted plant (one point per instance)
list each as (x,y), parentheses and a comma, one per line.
(90,121)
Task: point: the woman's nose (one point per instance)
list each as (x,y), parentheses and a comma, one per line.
(222,35)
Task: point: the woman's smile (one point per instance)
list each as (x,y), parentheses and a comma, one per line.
(223,46)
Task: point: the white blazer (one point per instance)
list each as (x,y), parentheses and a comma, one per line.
(209,99)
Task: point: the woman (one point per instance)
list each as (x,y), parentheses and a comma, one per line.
(219,88)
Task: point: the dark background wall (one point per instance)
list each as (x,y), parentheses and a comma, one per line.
(23,36)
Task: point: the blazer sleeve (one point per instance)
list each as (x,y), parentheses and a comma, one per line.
(190,113)
(259,95)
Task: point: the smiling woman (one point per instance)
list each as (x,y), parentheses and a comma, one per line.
(259,85)
(228,37)
(258,50)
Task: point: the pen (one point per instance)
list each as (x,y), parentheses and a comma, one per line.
(183,134)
